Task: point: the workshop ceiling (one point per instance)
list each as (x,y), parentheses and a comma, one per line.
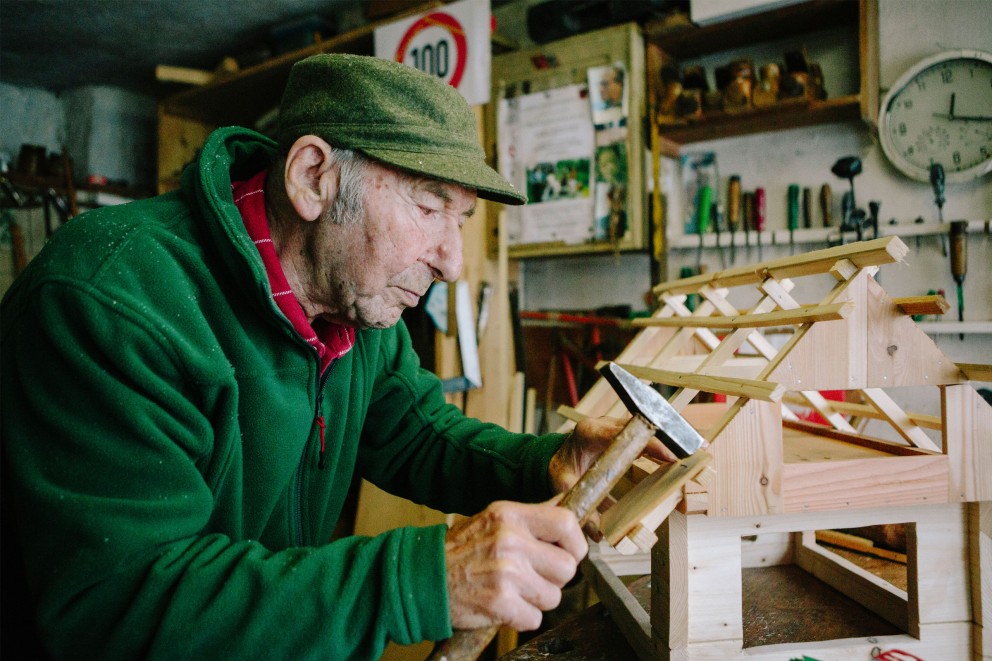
(61,44)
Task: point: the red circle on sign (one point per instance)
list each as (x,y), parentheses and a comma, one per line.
(454,28)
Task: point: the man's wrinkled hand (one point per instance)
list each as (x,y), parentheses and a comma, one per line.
(509,563)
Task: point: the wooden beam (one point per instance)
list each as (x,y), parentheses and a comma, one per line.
(885,250)
(975,372)
(749,388)
(856,439)
(171,74)
(830,312)
(934,304)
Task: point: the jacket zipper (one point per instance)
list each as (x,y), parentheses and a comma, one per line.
(301,467)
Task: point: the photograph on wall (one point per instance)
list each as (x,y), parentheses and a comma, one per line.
(608,95)
(546,146)
(610,207)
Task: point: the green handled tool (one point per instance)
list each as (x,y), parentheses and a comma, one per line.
(704,203)
(793,216)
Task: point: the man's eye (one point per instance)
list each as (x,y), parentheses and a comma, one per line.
(427,211)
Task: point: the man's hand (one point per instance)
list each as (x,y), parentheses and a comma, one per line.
(588,440)
(509,563)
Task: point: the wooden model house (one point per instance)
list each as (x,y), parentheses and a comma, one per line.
(770,479)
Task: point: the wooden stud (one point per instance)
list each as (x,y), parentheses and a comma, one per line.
(967,421)
(750,388)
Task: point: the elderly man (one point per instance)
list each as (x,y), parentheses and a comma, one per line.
(192,382)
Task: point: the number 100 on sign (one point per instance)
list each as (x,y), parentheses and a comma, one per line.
(436,45)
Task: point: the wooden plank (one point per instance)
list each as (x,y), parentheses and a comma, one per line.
(641,504)
(670,578)
(805,315)
(898,352)
(722,385)
(627,612)
(172,74)
(975,372)
(859,544)
(937,551)
(896,417)
(967,420)
(980,564)
(868,442)
(872,592)
(748,462)
(885,250)
(838,485)
(912,305)
(828,355)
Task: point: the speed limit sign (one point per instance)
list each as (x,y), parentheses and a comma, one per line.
(451,43)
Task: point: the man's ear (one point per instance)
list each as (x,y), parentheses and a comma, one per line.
(311,177)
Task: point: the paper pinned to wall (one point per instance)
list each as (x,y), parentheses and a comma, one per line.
(546,144)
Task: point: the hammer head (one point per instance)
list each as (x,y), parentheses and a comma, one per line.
(640,399)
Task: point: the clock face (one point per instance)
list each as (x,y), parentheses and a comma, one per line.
(940,111)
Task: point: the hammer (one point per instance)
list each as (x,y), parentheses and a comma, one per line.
(652,416)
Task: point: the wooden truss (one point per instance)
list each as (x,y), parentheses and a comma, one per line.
(771,477)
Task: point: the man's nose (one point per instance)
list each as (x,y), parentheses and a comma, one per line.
(448,256)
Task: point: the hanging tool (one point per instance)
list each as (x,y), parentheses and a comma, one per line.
(807,207)
(846,209)
(959,261)
(717,217)
(747,207)
(733,212)
(848,168)
(652,416)
(873,208)
(759,216)
(793,216)
(827,204)
(704,203)
(937,183)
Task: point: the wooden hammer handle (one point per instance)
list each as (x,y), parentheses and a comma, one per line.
(582,500)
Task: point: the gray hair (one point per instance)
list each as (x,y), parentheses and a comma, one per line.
(349,204)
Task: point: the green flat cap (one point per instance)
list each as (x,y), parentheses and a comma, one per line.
(393,113)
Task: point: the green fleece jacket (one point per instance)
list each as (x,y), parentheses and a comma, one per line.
(160,449)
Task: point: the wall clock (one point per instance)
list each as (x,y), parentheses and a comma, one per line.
(940,111)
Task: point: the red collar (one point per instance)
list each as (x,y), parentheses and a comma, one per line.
(329,339)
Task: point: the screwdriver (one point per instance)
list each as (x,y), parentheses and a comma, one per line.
(733,211)
(959,261)
(747,207)
(793,217)
(704,201)
(807,207)
(827,204)
(937,183)
(759,216)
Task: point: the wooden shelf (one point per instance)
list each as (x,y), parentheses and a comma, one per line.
(779,117)
(243,97)
(790,22)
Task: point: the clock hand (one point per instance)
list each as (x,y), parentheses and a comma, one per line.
(951,111)
(965,118)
